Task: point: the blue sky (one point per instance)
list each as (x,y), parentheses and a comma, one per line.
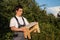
(49,3)
(52,5)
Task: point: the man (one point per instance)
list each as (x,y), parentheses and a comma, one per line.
(18,23)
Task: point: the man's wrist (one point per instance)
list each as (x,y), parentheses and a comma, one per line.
(20,29)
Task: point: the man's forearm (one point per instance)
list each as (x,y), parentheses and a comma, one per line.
(16,29)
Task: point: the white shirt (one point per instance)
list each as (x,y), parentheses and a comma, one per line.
(13,21)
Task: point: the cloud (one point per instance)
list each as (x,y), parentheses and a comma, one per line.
(53,10)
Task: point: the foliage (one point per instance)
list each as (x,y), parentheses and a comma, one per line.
(49,24)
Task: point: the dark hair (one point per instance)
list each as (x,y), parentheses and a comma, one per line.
(17,7)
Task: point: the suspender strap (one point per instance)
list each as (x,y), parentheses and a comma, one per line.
(19,23)
(23,20)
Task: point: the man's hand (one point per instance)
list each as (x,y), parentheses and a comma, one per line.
(23,29)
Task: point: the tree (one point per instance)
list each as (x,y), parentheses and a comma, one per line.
(49,24)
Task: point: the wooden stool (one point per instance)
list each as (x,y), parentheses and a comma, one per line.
(33,28)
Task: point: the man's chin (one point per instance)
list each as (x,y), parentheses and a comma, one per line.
(20,15)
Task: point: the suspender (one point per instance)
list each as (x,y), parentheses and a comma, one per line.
(23,21)
(19,25)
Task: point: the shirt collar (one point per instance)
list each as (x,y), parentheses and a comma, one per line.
(18,16)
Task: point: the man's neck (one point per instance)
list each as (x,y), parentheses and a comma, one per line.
(18,15)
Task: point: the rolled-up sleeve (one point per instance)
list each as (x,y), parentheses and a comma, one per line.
(12,22)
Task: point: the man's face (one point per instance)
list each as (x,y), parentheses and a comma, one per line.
(19,11)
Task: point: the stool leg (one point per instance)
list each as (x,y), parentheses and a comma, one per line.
(35,27)
(28,31)
(27,34)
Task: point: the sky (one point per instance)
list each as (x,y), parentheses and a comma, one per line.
(52,6)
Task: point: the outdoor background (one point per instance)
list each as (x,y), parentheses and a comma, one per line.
(48,23)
